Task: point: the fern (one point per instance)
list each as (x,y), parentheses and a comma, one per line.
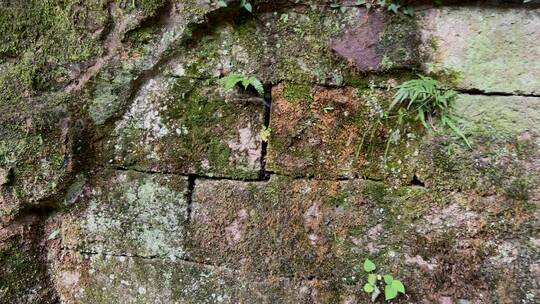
(230,81)
(425,100)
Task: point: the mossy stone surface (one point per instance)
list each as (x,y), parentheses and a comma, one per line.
(36,151)
(503,131)
(185,125)
(129,213)
(110,279)
(291,227)
(324,229)
(337,132)
(493,49)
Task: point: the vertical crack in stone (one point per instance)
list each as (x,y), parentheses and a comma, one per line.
(189,196)
(266,123)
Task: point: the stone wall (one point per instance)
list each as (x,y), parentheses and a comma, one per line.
(129,175)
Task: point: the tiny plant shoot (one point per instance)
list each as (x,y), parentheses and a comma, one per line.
(230,81)
(392,287)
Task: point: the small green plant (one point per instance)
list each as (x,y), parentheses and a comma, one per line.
(393,6)
(424,99)
(246,5)
(243,3)
(230,81)
(392,287)
(265,133)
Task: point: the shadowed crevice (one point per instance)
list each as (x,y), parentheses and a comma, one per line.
(189,197)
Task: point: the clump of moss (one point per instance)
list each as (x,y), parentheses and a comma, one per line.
(147,7)
(44,37)
(518,189)
(297,92)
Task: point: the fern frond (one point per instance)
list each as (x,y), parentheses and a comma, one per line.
(230,81)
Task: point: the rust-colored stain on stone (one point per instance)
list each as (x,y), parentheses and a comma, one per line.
(358,45)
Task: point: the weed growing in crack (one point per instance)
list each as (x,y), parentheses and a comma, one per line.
(230,81)
(423,100)
(392,287)
(243,3)
(393,6)
(265,133)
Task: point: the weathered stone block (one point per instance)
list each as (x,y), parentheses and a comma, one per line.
(488,49)
(283,227)
(336,132)
(262,45)
(185,125)
(324,229)
(503,131)
(129,213)
(100,279)
(378,42)
(503,116)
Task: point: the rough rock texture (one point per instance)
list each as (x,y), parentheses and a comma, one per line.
(481,45)
(128,213)
(379,42)
(186,126)
(336,132)
(23,268)
(37,148)
(129,175)
(134,280)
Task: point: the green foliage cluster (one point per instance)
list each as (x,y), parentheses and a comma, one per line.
(230,81)
(425,100)
(392,287)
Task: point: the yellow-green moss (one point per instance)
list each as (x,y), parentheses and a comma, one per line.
(147,7)
(297,92)
(45,36)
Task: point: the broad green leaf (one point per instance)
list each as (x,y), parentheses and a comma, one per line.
(232,80)
(368,288)
(389,292)
(221,3)
(388,279)
(248,8)
(369,266)
(398,286)
(228,82)
(372,278)
(394,8)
